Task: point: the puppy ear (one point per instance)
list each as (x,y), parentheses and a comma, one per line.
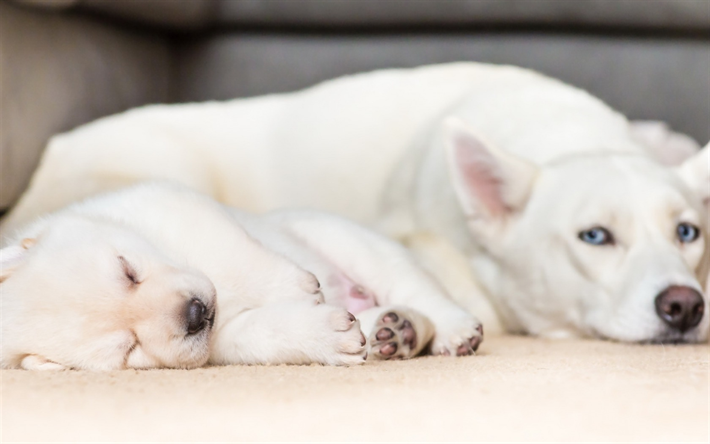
(665,145)
(696,173)
(11,257)
(489,182)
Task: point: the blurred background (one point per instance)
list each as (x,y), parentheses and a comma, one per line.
(67,62)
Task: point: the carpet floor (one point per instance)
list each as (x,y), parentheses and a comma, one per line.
(515,389)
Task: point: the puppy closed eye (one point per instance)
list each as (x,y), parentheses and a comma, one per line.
(128,270)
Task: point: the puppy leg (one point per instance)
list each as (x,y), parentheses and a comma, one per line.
(442,260)
(395,332)
(387,270)
(290,333)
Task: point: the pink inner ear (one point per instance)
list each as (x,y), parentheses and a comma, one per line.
(481,175)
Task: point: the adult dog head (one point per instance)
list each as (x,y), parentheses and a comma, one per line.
(94,295)
(603,244)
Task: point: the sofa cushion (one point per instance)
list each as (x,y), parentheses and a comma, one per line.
(49,4)
(649,79)
(654,14)
(59,71)
(173,14)
(687,15)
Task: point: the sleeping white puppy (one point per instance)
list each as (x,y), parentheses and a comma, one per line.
(159,276)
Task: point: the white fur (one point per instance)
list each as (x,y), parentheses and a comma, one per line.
(669,147)
(67,301)
(373,147)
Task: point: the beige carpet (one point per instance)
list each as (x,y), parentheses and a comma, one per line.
(516,389)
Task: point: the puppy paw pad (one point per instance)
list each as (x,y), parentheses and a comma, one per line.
(465,342)
(393,337)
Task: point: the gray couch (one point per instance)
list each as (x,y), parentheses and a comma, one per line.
(66,62)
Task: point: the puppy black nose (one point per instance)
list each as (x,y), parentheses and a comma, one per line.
(195,316)
(680,307)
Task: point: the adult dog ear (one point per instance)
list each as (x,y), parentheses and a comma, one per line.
(12,256)
(488,181)
(696,173)
(665,145)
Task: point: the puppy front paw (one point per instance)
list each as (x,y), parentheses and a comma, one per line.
(346,345)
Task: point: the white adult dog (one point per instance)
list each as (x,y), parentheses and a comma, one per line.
(532,201)
(160,276)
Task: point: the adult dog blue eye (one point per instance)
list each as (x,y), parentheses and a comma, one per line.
(597,236)
(687,232)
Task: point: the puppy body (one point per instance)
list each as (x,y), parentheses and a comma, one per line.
(110,282)
(492,174)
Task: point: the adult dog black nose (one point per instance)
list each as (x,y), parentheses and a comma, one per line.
(680,307)
(195,316)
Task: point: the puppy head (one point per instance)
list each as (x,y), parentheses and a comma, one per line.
(604,245)
(93,295)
